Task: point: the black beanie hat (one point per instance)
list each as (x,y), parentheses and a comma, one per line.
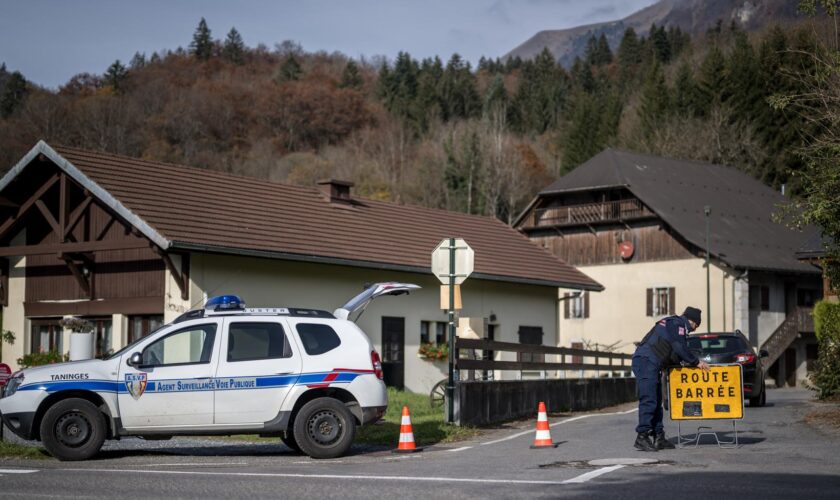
(693,314)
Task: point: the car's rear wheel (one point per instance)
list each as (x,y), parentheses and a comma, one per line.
(73,429)
(324,428)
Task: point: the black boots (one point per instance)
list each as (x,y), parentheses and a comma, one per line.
(662,443)
(643,442)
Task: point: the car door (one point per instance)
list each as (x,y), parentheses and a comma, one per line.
(173,385)
(257,368)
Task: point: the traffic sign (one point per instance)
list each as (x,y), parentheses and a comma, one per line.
(712,395)
(464,261)
(5,373)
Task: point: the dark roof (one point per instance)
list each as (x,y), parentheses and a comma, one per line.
(188,208)
(814,247)
(742,232)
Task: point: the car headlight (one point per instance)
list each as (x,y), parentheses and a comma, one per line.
(13,384)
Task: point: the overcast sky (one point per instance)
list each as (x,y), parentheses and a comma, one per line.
(51,40)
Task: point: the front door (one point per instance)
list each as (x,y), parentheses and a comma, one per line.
(790,366)
(393,351)
(256,370)
(173,386)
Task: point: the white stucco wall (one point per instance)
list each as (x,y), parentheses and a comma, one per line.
(13,317)
(618,314)
(264,283)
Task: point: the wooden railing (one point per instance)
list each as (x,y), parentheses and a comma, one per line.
(612,361)
(800,320)
(590,213)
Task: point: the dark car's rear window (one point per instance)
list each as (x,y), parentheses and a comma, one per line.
(717,345)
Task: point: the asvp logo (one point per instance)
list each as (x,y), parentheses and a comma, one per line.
(136,384)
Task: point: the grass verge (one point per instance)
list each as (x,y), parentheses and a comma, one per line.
(12,450)
(426,422)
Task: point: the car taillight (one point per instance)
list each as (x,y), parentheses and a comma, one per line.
(745,358)
(377,364)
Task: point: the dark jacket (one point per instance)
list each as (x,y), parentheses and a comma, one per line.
(667,343)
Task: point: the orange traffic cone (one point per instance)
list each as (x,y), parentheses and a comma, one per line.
(406,434)
(543,437)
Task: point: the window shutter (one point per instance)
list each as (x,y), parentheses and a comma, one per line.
(672,301)
(585,304)
(650,301)
(567,298)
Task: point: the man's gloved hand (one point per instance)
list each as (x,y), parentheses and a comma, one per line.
(703,366)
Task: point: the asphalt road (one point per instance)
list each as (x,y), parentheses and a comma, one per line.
(779,456)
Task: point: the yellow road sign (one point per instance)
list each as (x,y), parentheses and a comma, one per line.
(698,395)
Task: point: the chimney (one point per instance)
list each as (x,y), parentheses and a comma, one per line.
(336,191)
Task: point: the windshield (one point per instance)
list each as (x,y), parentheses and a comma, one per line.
(717,345)
(131,345)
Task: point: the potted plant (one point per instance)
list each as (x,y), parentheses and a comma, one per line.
(433,352)
(81,337)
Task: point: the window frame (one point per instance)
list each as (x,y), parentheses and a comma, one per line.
(287,347)
(653,305)
(176,332)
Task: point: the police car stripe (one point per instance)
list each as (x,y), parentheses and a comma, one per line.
(203,383)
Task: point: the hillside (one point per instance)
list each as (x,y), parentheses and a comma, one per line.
(694,17)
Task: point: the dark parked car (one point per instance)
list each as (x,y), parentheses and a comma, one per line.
(734,347)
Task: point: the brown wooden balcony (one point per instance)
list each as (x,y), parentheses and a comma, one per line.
(589,213)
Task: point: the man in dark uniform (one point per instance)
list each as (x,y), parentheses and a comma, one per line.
(666,344)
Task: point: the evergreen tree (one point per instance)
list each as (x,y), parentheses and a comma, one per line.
(202,43)
(598,51)
(115,76)
(660,44)
(579,142)
(290,70)
(686,95)
(629,56)
(655,103)
(539,98)
(13,94)
(429,90)
(742,87)
(234,48)
(138,61)
(496,99)
(582,76)
(459,97)
(710,80)
(351,78)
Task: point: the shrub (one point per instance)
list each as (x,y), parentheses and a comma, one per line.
(434,351)
(826,375)
(42,358)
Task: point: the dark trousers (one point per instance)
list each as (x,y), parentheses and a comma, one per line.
(649,389)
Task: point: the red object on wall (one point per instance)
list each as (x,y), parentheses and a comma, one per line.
(5,373)
(626,249)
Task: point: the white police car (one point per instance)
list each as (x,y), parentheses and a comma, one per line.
(305,375)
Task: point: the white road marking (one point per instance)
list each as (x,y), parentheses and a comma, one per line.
(592,474)
(196,464)
(581,417)
(18,471)
(460,449)
(323,476)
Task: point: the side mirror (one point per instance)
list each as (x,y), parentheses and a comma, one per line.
(135,360)
(763,353)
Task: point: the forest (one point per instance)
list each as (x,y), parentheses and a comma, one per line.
(443,134)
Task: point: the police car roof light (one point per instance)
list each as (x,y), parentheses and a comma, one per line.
(224,302)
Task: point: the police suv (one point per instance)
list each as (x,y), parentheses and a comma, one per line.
(305,375)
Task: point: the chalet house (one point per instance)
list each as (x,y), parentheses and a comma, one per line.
(131,244)
(637,224)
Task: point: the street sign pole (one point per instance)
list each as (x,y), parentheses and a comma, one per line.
(450,388)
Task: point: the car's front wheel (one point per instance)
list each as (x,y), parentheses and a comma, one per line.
(73,429)
(324,428)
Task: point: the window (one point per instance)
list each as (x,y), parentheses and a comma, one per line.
(253,341)
(140,326)
(45,336)
(759,297)
(424,332)
(191,345)
(576,305)
(440,332)
(661,301)
(530,335)
(807,298)
(102,332)
(317,338)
